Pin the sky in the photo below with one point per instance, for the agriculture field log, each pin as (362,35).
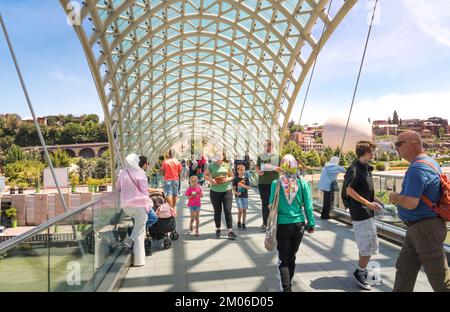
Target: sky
(406,68)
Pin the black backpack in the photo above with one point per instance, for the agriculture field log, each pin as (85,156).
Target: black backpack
(348,177)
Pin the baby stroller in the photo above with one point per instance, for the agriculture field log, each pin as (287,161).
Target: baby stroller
(164,229)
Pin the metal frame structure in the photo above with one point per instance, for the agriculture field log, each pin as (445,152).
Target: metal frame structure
(161,66)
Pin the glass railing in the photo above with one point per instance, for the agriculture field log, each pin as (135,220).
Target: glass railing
(71,253)
(384,183)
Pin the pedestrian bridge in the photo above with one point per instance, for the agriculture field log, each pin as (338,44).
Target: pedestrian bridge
(325,261)
(95,260)
(177,70)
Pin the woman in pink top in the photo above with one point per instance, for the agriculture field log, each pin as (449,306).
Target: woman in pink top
(194,193)
(171,169)
(135,201)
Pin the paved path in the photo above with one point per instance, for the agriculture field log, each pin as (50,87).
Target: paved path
(325,260)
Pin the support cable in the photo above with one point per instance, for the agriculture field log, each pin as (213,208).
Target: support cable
(359,77)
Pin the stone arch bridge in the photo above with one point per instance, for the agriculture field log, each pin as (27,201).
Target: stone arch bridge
(86,150)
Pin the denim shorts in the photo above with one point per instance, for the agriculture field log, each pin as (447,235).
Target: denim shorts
(242,203)
(194,208)
(171,188)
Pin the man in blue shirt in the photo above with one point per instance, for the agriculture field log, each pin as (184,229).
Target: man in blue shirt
(423,244)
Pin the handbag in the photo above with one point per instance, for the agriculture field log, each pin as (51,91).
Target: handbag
(334,186)
(270,241)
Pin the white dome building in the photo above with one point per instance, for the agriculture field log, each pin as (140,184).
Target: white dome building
(334,128)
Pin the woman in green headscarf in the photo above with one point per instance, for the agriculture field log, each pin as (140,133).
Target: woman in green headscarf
(293,194)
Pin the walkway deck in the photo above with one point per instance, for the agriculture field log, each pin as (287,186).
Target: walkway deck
(325,260)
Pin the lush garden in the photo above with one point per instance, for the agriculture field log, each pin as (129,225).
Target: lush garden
(59,130)
(24,169)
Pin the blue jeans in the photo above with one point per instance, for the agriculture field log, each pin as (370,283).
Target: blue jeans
(194,208)
(242,203)
(171,188)
(152,218)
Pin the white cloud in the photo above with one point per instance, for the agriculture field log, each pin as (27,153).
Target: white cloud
(432,17)
(408,106)
(63,77)
(415,105)
(403,36)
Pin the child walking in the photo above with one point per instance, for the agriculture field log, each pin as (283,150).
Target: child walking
(241,185)
(194,194)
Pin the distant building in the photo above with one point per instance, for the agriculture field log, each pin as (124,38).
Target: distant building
(306,141)
(411,122)
(380,123)
(297,137)
(41,120)
(314,127)
(385,130)
(426,133)
(310,146)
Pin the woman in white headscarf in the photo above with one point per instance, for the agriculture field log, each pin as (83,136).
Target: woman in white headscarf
(294,217)
(135,201)
(328,185)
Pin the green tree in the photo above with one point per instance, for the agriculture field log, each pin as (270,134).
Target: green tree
(91,118)
(69,119)
(6,141)
(14,154)
(54,135)
(312,159)
(350,157)
(395,119)
(24,134)
(292,148)
(83,168)
(11,124)
(60,159)
(440,133)
(23,170)
(102,135)
(295,128)
(72,133)
(33,155)
(100,168)
(52,121)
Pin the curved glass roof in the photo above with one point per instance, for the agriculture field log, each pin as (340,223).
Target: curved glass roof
(168,70)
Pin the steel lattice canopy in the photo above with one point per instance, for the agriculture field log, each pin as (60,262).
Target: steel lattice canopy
(172,69)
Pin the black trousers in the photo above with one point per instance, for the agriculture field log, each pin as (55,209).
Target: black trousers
(264,193)
(328,203)
(289,237)
(219,200)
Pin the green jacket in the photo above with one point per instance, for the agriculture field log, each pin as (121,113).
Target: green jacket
(288,214)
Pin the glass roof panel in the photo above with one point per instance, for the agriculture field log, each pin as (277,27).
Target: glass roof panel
(221,61)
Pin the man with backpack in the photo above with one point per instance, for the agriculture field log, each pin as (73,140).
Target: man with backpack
(426,233)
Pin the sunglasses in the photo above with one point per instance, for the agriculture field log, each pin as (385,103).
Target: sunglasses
(400,143)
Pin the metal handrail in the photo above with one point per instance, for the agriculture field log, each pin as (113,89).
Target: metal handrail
(13,242)
(379,224)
